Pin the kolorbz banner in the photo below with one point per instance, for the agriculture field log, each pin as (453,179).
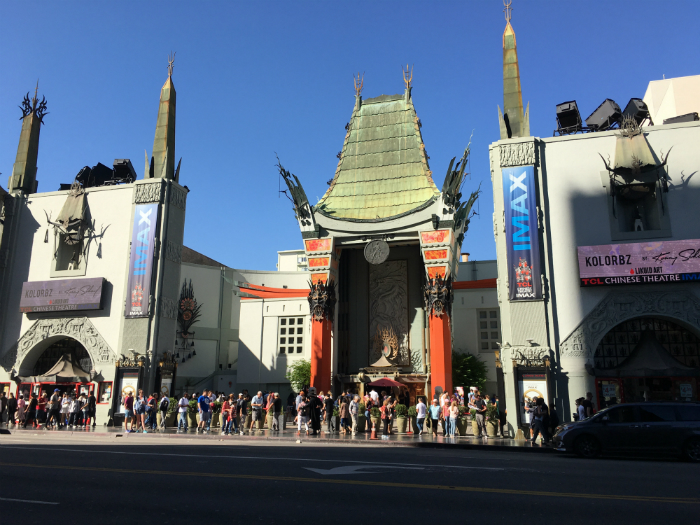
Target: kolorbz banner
(141,260)
(522,236)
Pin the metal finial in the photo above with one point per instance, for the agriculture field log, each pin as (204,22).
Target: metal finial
(171,61)
(508,9)
(359,82)
(36,91)
(406,78)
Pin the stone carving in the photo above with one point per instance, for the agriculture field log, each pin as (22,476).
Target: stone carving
(168,308)
(322,300)
(79,328)
(151,192)
(417,359)
(530,356)
(173,252)
(438,296)
(388,306)
(178,197)
(623,306)
(376,252)
(519,154)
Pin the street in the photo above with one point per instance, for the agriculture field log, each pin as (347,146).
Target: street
(55,479)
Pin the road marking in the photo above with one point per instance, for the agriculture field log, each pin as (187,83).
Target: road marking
(30,501)
(129,453)
(513,492)
(357,469)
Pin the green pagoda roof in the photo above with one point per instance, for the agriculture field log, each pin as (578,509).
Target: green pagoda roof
(383,170)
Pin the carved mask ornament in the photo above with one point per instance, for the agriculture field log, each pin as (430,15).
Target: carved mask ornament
(322,300)
(437,294)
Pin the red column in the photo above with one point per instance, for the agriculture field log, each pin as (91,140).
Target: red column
(321,355)
(440,353)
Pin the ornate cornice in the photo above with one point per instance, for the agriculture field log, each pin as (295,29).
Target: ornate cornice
(618,307)
(517,154)
(151,192)
(78,328)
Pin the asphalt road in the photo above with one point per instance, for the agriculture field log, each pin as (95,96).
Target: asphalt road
(49,479)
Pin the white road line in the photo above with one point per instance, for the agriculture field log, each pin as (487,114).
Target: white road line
(254,457)
(30,501)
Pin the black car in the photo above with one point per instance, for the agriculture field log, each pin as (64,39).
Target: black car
(635,428)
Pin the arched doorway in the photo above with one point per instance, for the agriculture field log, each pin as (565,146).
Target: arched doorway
(647,359)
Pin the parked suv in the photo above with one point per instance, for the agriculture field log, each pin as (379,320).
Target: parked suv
(637,428)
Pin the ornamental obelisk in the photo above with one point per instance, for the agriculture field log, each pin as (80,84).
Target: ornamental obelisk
(513,122)
(23,176)
(163,160)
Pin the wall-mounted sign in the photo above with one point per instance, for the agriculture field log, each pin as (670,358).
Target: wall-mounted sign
(530,387)
(65,294)
(138,287)
(640,263)
(522,235)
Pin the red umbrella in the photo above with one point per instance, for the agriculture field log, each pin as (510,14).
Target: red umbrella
(385,381)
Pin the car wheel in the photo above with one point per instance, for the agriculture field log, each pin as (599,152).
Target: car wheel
(587,447)
(691,450)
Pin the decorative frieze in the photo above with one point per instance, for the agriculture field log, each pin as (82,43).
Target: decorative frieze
(79,328)
(178,197)
(168,308)
(151,192)
(173,252)
(517,154)
(619,307)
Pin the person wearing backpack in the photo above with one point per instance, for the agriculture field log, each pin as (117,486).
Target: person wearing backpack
(140,412)
(151,422)
(541,421)
(163,407)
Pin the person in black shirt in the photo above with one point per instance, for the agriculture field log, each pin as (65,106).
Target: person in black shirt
(481,416)
(31,411)
(328,411)
(588,404)
(11,409)
(276,411)
(315,406)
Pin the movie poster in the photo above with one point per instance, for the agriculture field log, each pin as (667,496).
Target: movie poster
(141,260)
(522,235)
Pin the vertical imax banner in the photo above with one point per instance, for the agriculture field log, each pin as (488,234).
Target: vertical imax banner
(522,236)
(141,260)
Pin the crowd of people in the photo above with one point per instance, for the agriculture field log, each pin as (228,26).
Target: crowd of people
(67,409)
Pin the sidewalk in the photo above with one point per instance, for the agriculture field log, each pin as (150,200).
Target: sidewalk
(290,435)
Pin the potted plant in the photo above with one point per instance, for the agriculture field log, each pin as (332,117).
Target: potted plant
(463,420)
(171,414)
(361,419)
(215,413)
(192,413)
(491,420)
(375,417)
(263,418)
(412,413)
(475,427)
(401,412)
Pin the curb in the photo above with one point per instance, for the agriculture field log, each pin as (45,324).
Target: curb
(302,439)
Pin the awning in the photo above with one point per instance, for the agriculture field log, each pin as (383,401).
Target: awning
(386,382)
(66,370)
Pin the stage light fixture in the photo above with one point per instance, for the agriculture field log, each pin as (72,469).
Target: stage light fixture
(605,116)
(688,117)
(568,118)
(637,109)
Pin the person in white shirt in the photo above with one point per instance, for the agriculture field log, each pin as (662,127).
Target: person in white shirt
(420,414)
(375,397)
(182,407)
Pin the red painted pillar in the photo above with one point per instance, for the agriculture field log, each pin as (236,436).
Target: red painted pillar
(321,355)
(440,352)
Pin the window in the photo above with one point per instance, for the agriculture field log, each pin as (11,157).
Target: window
(489,330)
(104,393)
(689,413)
(290,339)
(621,415)
(657,413)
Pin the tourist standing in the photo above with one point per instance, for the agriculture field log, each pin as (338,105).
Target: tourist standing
(92,408)
(588,405)
(241,411)
(257,405)
(480,406)
(65,409)
(328,412)
(540,416)
(12,408)
(368,407)
(315,406)
(354,412)
(129,412)
(30,412)
(420,415)
(435,412)
(151,412)
(182,407)
(163,407)
(344,415)
(454,414)
(41,409)
(386,418)
(204,413)
(277,412)
(226,415)
(302,415)
(140,412)
(3,408)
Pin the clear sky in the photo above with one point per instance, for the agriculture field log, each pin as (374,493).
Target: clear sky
(255,78)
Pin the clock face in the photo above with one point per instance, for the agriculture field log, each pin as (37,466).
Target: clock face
(376,252)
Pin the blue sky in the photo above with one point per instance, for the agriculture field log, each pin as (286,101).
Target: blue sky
(255,78)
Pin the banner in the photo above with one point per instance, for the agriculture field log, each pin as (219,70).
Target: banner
(128,383)
(141,260)
(522,235)
(64,294)
(640,263)
(531,386)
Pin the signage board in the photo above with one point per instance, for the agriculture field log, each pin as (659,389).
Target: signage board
(609,390)
(129,383)
(686,390)
(59,295)
(639,263)
(138,288)
(531,386)
(522,234)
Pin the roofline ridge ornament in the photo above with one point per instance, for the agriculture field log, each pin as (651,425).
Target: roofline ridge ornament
(359,82)
(171,63)
(508,9)
(33,106)
(406,78)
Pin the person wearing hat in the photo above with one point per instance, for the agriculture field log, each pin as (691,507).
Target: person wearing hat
(53,417)
(315,406)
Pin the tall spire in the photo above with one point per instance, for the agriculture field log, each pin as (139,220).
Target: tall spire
(513,122)
(24,170)
(163,163)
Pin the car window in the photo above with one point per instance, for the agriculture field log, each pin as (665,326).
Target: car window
(621,415)
(689,413)
(657,413)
